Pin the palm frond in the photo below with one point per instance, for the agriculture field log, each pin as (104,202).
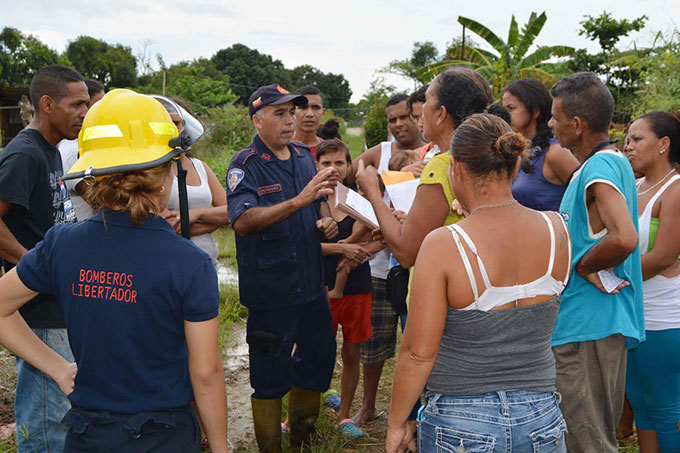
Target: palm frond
(545,52)
(529,33)
(513,34)
(483,32)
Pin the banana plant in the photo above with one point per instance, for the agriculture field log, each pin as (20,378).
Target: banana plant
(510,60)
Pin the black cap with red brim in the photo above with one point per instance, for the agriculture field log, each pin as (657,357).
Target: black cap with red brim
(273,95)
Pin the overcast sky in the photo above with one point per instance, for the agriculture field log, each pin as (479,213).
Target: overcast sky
(351,37)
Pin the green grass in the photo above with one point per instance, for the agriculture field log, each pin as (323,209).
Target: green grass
(355,143)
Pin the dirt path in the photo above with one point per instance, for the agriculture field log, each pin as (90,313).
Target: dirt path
(237,375)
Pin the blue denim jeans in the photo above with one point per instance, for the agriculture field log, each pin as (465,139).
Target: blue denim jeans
(39,403)
(505,421)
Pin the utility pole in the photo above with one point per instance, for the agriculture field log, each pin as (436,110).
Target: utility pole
(462,47)
(163,93)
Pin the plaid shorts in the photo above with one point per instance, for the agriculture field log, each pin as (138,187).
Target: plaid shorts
(384,320)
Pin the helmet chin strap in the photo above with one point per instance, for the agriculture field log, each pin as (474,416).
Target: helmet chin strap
(182,141)
(183,200)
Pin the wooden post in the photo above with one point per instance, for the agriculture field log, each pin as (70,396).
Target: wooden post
(462,47)
(163,93)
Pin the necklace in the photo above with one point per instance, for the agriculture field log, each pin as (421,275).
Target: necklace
(493,205)
(660,181)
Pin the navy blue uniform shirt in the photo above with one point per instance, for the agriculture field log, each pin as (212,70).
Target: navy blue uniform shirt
(282,265)
(125,291)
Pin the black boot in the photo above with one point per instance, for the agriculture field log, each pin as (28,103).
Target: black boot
(303,410)
(267,421)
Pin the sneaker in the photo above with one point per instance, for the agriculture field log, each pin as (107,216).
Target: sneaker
(331,399)
(349,429)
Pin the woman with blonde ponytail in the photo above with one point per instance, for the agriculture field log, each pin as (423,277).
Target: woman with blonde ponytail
(484,301)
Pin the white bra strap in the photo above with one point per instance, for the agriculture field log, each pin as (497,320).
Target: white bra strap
(551,262)
(466,263)
(482,268)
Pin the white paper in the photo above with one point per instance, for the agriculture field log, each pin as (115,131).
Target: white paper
(609,280)
(402,194)
(361,205)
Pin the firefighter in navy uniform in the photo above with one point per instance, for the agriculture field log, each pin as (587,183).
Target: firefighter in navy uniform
(273,194)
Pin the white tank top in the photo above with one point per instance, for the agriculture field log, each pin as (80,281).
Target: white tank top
(380,262)
(494,296)
(198,197)
(661,294)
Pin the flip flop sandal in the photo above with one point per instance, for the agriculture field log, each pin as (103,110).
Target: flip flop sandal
(349,429)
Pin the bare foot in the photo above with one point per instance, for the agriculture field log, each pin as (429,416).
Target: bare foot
(335,294)
(366,415)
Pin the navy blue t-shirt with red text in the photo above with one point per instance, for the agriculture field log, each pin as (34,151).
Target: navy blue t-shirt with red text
(126,292)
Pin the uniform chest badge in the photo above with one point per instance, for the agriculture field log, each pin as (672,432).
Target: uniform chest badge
(234,178)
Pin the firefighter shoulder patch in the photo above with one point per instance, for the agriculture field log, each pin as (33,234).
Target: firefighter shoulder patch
(234,178)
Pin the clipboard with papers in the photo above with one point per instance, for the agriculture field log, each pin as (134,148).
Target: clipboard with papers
(355,206)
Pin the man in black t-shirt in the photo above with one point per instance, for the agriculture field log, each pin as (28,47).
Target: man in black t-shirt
(32,199)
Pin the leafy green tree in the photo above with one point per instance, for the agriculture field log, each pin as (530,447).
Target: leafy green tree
(423,54)
(659,71)
(510,61)
(372,107)
(248,69)
(607,30)
(22,56)
(335,87)
(197,82)
(113,65)
(621,77)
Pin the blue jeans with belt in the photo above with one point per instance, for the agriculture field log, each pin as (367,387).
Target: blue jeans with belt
(504,421)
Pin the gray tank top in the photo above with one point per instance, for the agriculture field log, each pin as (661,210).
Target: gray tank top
(488,351)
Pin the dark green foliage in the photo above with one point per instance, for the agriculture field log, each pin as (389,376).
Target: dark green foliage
(197,82)
(622,78)
(248,69)
(112,64)
(372,107)
(335,87)
(607,30)
(22,56)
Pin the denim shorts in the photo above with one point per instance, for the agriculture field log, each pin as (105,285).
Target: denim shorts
(504,421)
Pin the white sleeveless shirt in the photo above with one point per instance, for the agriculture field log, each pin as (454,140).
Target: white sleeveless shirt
(380,262)
(661,294)
(198,197)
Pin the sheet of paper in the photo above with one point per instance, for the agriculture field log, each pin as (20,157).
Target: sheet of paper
(402,194)
(361,205)
(609,280)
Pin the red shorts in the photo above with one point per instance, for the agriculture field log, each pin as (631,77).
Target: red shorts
(353,313)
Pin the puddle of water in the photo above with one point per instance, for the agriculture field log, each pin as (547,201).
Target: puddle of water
(227,275)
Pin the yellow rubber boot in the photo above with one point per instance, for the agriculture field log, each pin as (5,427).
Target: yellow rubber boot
(303,410)
(267,421)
